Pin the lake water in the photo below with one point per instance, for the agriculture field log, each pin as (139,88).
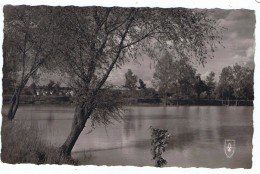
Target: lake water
(199,134)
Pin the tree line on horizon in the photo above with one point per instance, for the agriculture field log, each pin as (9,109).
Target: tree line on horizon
(178,79)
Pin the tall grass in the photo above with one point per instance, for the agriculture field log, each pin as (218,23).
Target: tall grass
(21,144)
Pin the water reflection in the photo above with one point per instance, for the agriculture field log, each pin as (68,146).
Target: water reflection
(198,135)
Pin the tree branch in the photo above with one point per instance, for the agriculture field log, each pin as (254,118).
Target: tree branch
(117,56)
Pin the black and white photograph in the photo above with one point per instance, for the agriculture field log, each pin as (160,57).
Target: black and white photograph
(128,86)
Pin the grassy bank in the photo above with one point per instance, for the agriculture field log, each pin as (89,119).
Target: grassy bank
(21,144)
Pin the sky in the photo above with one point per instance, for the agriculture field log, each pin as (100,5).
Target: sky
(238,41)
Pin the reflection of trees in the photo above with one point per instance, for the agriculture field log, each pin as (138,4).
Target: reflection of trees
(209,134)
(182,140)
(236,123)
(184,135)
(190,126)
(128,125)
(50,117)
(242,134)
(132,123)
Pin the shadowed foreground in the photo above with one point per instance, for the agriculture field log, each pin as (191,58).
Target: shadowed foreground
(20,144)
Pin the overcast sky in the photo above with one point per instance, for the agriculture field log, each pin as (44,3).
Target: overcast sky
(238,39)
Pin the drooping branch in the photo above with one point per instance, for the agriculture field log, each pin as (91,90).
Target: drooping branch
(24,53)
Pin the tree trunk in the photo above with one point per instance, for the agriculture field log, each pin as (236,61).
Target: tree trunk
(78,124)
(14,105)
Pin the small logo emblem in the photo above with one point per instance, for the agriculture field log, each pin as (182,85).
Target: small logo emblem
(229,147)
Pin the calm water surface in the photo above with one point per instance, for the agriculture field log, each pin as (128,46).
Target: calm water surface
(199,133)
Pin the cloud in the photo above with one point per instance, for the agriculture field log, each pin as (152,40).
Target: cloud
(240,21)
(241,14)
(248,55)
(204,75)
(237,57)
(247,59)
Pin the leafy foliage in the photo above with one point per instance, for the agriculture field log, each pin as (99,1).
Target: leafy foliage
(27,46)
(236,81)
(130,80)
(211,84)
(28,39)
(109,106)
(159,142)
(174,76)
(142,85)
(200,86)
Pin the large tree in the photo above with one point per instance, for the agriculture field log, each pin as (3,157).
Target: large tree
(243,82)
(225,85)
(248,84)
(236,81)
(174,75)
(142,85)
(200,86)
(164,78)
(239,75)
(211,84)
(95,40)
(27,47)
(130,80)
(186,74)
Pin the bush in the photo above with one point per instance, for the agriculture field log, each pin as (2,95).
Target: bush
(159,142)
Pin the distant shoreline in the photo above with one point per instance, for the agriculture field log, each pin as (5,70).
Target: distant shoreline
(67,100)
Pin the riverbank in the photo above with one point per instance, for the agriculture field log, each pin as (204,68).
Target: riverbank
(21,143)
(67,100)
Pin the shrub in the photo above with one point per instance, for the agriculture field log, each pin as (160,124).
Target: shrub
(159,142)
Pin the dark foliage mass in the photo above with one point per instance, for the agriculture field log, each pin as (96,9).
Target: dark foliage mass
(179,79)
(130,80)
